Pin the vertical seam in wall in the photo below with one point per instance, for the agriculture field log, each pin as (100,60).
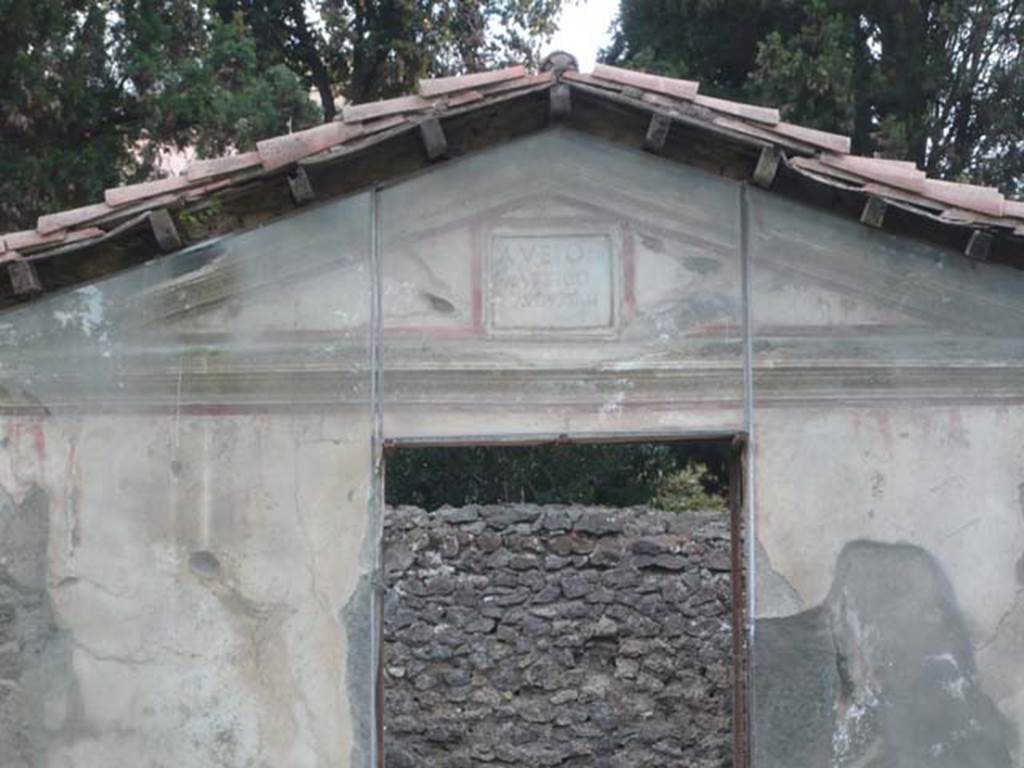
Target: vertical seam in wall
(374,526)
(748,417)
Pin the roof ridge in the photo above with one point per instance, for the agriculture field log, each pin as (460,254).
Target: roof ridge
(357,123)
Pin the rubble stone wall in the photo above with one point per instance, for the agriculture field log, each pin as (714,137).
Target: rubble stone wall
(554,635)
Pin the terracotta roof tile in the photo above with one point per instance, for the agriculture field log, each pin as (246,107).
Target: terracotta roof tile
(894,172)
(521,82)
(669,86)
(1014,208)
(663,101)
(757,130)
(582,77)
(28,239)
(821,155)
(123,195)
(203,190)
(987,200)
(376,126)
(219,166)
(52,222)
(768,115)
(285,150)
(892,193)
(355,113)
(439,86)
(831,141)
(463,97)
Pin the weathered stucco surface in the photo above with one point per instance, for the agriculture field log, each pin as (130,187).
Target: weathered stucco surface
(186,565)
(929,526)
(882,673)
(176,586)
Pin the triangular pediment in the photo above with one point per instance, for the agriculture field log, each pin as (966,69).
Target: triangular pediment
(666,260)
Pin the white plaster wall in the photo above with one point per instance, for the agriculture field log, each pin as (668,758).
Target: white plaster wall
(244,664)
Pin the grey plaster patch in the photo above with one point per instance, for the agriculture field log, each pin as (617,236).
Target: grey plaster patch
(356,617)
(35,656)
(775,596)
(899,687)
(796,682)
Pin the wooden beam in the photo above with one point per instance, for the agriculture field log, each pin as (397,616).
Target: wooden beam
(979,245)
(767,167)
(164,231)
(434,141)
(657,133)
(24,278)
(561,102)
(300,186)
(874,212)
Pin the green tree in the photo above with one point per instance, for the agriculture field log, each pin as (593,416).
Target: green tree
(368,49)
(91,91)
(939,82)
(676,477)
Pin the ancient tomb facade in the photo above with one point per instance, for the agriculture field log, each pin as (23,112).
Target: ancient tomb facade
(191,508)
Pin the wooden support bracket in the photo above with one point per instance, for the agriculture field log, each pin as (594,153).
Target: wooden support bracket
(300,186)
(164,231)
(979,245)
(657,133)
(24,278)
(434,141)
(767,167)
(874,212)
(561,101)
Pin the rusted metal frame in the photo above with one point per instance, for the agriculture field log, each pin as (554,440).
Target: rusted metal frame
(737,442)
(739,587)
(742,507)
(562,438)
(375,509)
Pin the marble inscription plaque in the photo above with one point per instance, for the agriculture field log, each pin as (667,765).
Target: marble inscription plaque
(551,282)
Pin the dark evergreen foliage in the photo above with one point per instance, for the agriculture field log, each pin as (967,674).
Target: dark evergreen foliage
(676,476)
(94,93)
(938,82)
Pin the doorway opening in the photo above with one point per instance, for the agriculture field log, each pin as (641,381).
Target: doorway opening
(563,604)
